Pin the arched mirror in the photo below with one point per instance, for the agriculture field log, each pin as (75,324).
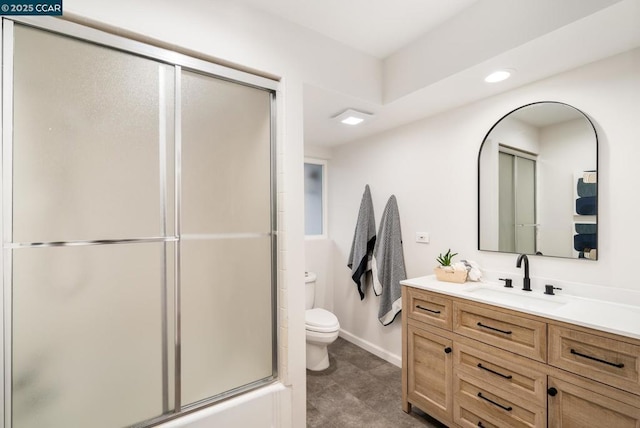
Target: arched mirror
(538,183)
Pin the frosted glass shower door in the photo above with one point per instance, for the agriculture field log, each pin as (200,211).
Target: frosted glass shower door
(89,234)
(138,229)
(226,239)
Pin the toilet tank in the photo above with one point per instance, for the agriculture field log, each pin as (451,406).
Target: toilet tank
(309,289)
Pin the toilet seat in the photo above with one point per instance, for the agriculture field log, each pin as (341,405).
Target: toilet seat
(321,321)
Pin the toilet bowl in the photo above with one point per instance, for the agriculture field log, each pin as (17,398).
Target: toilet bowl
(321,328)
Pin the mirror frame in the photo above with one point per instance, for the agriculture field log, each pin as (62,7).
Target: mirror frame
(595,133)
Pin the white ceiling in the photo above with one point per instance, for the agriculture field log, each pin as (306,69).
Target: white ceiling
(457,42)
(376,27)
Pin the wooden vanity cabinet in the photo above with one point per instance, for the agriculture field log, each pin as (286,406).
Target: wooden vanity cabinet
(469,364)
(456,372)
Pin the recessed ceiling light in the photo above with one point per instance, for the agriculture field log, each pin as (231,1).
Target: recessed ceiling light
(498,76)
(352,117)
(352,120)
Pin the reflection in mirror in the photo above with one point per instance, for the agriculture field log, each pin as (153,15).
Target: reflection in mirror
(537,183)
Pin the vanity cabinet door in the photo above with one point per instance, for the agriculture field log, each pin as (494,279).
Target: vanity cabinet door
(429,371)
(571,406)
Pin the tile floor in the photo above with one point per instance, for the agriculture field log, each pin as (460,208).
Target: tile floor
(359,390)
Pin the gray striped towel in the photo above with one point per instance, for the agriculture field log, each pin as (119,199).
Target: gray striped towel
(388,264)
(364,240)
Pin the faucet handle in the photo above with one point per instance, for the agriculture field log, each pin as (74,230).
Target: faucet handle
(548,289)
(507,282)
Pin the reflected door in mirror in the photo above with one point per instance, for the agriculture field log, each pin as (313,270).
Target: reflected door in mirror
(517,203)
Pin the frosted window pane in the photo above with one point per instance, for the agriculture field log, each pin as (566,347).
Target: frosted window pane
(86,140)
(313,199)
(226,315)
(87,338)
(225,156)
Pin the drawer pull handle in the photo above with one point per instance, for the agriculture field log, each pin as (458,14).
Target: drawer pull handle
(493,328)
(552,391)
(427,309)
(618,365)
(480,424)
(480,366)
(447,350)
(508,409)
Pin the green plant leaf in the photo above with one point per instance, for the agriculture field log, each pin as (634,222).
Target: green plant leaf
(446,259)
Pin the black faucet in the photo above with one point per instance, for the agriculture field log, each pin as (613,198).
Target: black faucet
(526,282)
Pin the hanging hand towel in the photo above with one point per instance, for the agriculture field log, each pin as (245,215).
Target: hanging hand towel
(364,240)
(388,264)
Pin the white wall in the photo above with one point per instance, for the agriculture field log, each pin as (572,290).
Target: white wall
(319,259)
(431,167)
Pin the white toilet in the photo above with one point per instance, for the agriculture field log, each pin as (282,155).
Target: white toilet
(321,327)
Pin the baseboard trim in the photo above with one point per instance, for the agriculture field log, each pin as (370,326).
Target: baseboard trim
(374,349)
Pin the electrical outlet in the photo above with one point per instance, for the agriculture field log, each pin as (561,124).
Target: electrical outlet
(422,237)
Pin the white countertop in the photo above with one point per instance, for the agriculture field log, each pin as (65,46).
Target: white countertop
(612,317)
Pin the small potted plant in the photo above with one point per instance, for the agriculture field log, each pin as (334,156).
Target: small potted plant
(449,272)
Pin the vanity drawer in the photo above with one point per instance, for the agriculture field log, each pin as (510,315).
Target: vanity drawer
(514,333)
(478,403)
(514,374)
(467,418)
(607,360)
(428,308)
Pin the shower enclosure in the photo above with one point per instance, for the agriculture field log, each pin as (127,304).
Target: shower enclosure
(138,229)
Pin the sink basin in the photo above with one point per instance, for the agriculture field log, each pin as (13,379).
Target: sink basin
(514,297)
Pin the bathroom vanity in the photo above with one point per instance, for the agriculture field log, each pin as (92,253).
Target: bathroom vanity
(479,355)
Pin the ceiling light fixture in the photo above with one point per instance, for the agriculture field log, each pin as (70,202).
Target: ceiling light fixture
(352,117)
(498,76)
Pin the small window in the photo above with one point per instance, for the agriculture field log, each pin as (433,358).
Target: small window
(314,197)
